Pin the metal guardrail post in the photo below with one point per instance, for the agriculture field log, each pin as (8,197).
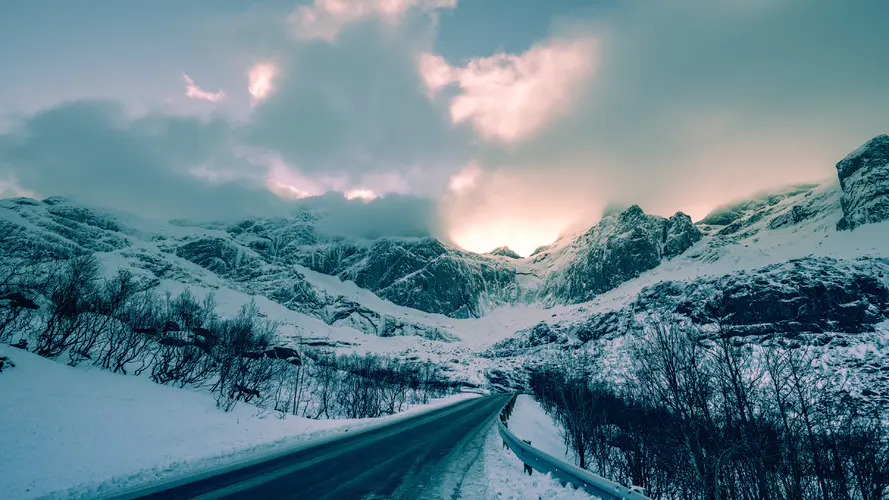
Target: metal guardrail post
(566,473)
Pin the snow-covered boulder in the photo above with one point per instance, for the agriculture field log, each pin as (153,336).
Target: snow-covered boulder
(864,178)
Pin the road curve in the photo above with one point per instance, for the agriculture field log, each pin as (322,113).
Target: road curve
(427,456)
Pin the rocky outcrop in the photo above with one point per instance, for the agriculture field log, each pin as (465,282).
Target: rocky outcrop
(817,300)
(792,217)
(811,295)
(681,235)
(214,254)
(427,275)
(805,295)
(615,250)
(864,178)
(423,274)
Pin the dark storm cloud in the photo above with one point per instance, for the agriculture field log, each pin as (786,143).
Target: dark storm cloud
(357,106)
(392,215)
(92,151)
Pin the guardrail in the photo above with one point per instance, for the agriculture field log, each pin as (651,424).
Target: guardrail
(561,470)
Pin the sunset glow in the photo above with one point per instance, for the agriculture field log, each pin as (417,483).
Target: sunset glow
(519,235)
(362,194)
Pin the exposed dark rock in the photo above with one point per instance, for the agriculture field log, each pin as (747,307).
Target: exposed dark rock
(214,254)
(804,295)
(543,333)
(425,274)
(85,216)
(505,252)
(740,224)
(316,342)
(792,217)
(25,201)
(816,301)
(617,249)
(540,336)
(864,178)
(609,324)
(18,299)
(282,353)
(681,235)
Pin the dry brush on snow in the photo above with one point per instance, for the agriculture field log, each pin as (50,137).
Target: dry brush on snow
(71,311)
(704,416)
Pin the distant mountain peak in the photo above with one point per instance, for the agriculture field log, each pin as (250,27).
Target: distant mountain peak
(505,251)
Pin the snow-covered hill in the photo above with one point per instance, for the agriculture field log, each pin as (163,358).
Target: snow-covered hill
(807,261)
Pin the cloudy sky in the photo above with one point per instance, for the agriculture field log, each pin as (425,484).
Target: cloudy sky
(484,122)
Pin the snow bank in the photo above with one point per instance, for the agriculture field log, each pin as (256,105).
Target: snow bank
(530,422)
(505,477)
(91,432)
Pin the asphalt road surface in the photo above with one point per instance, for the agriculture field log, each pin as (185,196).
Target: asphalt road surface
(423,457)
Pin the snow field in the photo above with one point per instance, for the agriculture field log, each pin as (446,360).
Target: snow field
(81,432)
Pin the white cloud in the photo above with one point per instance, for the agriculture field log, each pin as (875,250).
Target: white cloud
(261,78)
(324,19)
(10,188)
(285,190)
(192,90)
(508,97)
(363,194)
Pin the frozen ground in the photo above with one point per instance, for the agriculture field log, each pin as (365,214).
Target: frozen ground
(79,432)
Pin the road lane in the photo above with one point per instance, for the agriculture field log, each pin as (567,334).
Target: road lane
(426,456)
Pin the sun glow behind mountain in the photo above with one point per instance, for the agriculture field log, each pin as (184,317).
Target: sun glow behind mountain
(485,236)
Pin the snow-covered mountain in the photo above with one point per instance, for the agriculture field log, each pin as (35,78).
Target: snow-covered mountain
(808,262)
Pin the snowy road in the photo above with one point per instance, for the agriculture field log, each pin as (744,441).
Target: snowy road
(428,456)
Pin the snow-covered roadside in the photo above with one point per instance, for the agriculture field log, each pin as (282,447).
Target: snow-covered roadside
(530,422)
(81,432)
(504,478)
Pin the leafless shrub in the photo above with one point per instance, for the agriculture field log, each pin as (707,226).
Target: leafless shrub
(19,287)
(705,416)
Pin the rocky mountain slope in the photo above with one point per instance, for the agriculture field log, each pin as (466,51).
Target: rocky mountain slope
(191,255)
(865,181)
(615,250)
(806,262)
(771,269)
